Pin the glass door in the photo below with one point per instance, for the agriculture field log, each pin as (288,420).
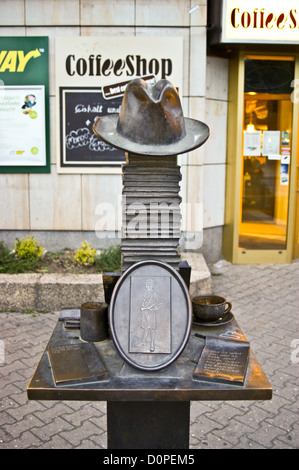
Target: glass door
(266,153)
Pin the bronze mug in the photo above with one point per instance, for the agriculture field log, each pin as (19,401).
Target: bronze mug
(94,321)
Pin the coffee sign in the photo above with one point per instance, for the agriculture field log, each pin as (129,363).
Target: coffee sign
(128,66)
(266,21)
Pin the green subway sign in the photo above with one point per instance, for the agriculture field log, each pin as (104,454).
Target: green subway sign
(24,105)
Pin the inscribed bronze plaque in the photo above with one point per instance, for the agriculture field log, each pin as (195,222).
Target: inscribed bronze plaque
(150,315)
(223,360)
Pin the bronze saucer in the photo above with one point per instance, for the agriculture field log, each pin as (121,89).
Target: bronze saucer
(222,321)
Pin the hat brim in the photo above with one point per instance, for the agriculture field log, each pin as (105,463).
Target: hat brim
(197,132)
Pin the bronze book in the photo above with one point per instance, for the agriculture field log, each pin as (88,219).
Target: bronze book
(223,360)
(76,363)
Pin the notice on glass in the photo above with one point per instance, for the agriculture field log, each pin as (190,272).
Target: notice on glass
(284,174)
(22,126)
(271,145)
(252,143)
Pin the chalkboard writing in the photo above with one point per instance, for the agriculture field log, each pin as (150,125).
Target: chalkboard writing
(79,107)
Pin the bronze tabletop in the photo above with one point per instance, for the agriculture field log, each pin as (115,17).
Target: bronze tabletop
(123,383)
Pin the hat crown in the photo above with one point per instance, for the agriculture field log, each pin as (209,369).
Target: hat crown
(151,115)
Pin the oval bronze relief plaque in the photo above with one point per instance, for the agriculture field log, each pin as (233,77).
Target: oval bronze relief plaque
(150,315)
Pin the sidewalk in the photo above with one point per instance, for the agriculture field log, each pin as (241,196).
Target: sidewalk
(265,301)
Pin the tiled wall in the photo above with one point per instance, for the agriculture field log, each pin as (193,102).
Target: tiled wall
(67,202)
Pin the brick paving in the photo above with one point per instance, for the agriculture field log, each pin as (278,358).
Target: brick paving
(265,302)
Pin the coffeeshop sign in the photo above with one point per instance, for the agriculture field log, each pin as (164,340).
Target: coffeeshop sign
(91,76)
(266,21)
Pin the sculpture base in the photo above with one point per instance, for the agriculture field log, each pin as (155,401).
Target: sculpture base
(148,425)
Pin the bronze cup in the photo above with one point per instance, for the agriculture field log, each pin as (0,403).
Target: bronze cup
(210,308)
(94,321)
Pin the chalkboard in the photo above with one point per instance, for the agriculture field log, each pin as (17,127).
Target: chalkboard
(80,147)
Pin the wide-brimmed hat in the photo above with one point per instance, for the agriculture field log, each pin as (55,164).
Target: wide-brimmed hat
(151,122)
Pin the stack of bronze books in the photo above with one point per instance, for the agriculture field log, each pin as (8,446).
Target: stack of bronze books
(151,210)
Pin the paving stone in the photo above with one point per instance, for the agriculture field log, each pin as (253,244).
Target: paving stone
(17,429)
(223,413)
(253,417)
(232,431)
(27,440)
(266,435)
(100,441)
(90,444)
(284,420)
(56,442)
(85,430)
(56,426)
(77,417)
(47,414)
(246,443)
(291,439)
(211,441)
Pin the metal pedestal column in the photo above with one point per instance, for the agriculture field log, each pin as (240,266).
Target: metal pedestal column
(148,425)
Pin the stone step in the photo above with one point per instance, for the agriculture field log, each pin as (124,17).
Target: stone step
(48,292)
(53,292)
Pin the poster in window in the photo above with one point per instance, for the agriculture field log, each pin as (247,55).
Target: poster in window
(284,174)
(252,143)
(22,124)
(271,144)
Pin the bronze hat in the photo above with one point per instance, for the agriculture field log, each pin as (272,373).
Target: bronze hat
(151,122)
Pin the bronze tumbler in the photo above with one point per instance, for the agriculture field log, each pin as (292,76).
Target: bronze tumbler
(94,321)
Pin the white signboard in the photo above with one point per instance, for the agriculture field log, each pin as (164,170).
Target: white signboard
(22,126)
(266,21)
(91,77)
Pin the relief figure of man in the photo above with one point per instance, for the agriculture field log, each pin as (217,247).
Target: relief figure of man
(150,304)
